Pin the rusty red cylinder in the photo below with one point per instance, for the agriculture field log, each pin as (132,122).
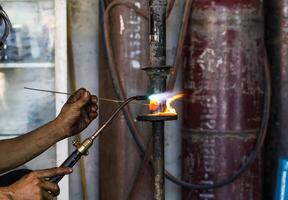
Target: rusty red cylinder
(222,112)
(119,155)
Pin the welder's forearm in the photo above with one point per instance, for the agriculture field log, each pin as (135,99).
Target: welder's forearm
(17,151)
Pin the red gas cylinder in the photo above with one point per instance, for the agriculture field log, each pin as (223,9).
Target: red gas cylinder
(222,112)
(119,155)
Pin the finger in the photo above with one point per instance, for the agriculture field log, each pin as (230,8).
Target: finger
(46,195)
(89,114)
(93,108)
(87,119)
(85,98)
(94,99)
(85,113)
(46,173)
(93,115)
(52,187)
(76,95)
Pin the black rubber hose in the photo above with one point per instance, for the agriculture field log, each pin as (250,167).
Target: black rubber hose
(4,21)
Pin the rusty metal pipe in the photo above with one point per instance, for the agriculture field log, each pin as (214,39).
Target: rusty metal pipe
(158,151)
(157,73)
(158,33)
(158,156)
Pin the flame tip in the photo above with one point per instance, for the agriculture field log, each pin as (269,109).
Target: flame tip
(157,99)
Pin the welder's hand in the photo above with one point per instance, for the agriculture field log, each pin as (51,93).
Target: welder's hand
(77,113)
(36,185)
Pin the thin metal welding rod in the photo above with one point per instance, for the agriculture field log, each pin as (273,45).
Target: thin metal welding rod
(56,92)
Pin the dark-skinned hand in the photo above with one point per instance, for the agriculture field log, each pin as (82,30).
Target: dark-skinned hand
(36,185)
(77,113)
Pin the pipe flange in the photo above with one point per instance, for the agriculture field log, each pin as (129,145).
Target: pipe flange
(157,117)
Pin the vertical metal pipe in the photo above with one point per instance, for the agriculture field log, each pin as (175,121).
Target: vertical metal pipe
(158,33)
(158,155)
(158,72)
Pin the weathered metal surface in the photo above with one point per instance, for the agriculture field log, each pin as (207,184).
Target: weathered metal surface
(119,155)
(158,157)
(157,118)
(276,16)
(157,33)
(222,112)
(157,72)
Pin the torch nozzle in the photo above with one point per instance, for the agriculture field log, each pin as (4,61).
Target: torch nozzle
(141,97)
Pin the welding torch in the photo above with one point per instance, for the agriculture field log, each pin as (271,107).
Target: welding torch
(82,149)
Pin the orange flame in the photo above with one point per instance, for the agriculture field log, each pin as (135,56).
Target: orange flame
(154,104)
(169,110)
